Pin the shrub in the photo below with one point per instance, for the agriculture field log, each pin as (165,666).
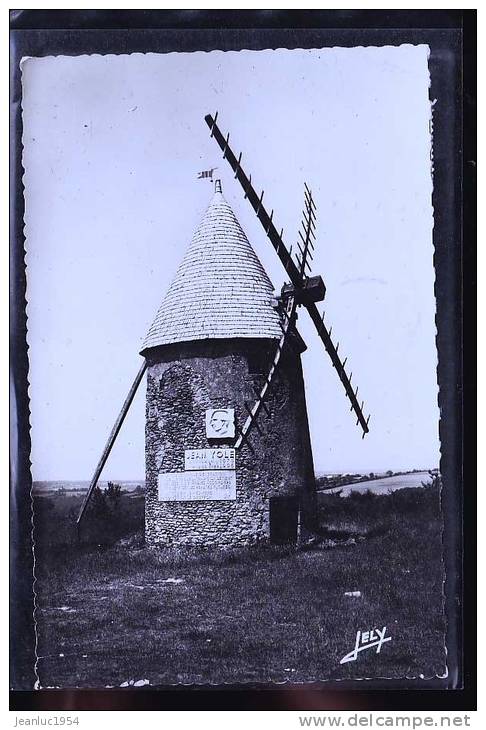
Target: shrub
(113,494)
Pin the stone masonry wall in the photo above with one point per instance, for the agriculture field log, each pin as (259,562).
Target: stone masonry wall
(185,380)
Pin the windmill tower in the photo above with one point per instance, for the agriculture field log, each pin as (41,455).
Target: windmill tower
(228,453)
(208,353)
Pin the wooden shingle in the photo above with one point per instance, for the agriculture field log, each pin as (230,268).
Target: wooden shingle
(220,290)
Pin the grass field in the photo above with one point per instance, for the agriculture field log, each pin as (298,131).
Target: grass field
(109,615)
(387,484)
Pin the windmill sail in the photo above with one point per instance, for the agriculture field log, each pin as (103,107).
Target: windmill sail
(339,366)
(253,414)
(288,319)
(256,202)
(306,245)
(296,275)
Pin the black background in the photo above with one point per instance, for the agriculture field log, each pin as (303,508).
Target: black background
(451,36)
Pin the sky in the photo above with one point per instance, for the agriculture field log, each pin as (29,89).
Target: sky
(112,148)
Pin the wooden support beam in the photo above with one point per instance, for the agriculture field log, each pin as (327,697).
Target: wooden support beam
(111,439)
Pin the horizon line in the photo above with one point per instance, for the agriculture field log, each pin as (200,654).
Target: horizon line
(320,471)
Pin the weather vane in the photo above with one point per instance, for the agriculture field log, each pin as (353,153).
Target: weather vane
(206,174)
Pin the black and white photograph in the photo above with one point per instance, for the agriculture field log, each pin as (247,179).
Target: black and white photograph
(233,381)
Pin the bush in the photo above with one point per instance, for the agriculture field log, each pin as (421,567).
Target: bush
(377,513)
(113,494)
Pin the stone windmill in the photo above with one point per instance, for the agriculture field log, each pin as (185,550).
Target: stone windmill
(228,452)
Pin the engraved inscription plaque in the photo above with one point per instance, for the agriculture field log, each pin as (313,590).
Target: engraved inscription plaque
(209,459)
(188,486)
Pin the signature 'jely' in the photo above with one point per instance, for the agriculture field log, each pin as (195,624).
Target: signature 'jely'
(366,640)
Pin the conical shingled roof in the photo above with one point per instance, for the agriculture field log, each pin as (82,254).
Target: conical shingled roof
(220,290)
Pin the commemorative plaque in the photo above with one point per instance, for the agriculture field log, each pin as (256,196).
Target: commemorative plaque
(188,486)
(198,459)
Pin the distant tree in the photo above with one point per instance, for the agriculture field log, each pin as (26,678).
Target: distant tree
(113,498)
(371,475)
(113,493)
(138,489)
(99,504)
(105,506)
(389,473)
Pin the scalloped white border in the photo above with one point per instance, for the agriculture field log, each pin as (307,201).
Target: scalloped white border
(271,683)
